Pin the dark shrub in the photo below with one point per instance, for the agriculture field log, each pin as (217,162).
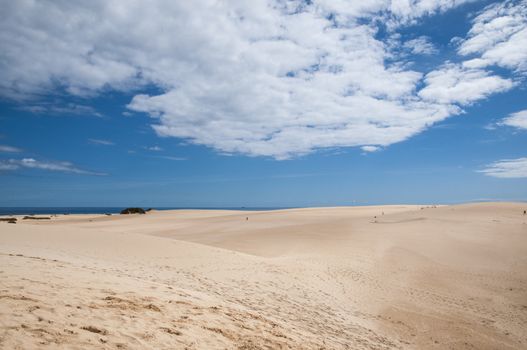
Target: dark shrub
(9,220)
(133,211)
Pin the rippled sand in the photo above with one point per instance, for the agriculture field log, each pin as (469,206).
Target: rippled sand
(385,277)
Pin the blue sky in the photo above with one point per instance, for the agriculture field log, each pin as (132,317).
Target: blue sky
(275,103)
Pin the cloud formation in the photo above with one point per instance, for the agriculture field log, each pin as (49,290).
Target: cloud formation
(421,46)
(172,158)
(507,168)
(9,149)
(370,148)
(30,163)
(516,120)
(261,78)
(154,148)
(101,142)
(499,37)
(55,108)
(454,83)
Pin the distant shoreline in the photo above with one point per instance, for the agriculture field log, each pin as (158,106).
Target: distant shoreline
(113,210)
(7,211)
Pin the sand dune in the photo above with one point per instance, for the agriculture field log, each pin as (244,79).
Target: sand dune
(384,277)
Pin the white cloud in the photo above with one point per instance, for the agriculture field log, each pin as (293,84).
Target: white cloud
(507,168)
(172,158)
(5,166)
(30,163)
(9,149)
(409,11)
(61,109)
(101,142)
(370,148)
(154,148)
(261,77)
(421,46)
(517,120)
(499,36)
(454,83)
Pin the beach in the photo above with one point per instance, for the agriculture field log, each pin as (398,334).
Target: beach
(371,277)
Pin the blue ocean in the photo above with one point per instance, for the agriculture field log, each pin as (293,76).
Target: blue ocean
(106,210)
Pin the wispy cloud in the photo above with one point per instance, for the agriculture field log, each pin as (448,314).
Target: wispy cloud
(171,158)
(154,148)
(30,163)
(507,168)
(9,149)
(421,46)
(516,120)
(101,142)
(5,166)
(61,109)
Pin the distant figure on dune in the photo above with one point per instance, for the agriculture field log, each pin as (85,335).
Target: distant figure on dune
(247,218)
(524,212)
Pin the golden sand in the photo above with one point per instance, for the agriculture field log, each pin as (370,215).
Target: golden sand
(384,277)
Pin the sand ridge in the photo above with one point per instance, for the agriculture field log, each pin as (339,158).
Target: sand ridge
(382,277)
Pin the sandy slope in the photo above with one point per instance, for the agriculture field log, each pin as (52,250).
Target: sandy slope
(452,277)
